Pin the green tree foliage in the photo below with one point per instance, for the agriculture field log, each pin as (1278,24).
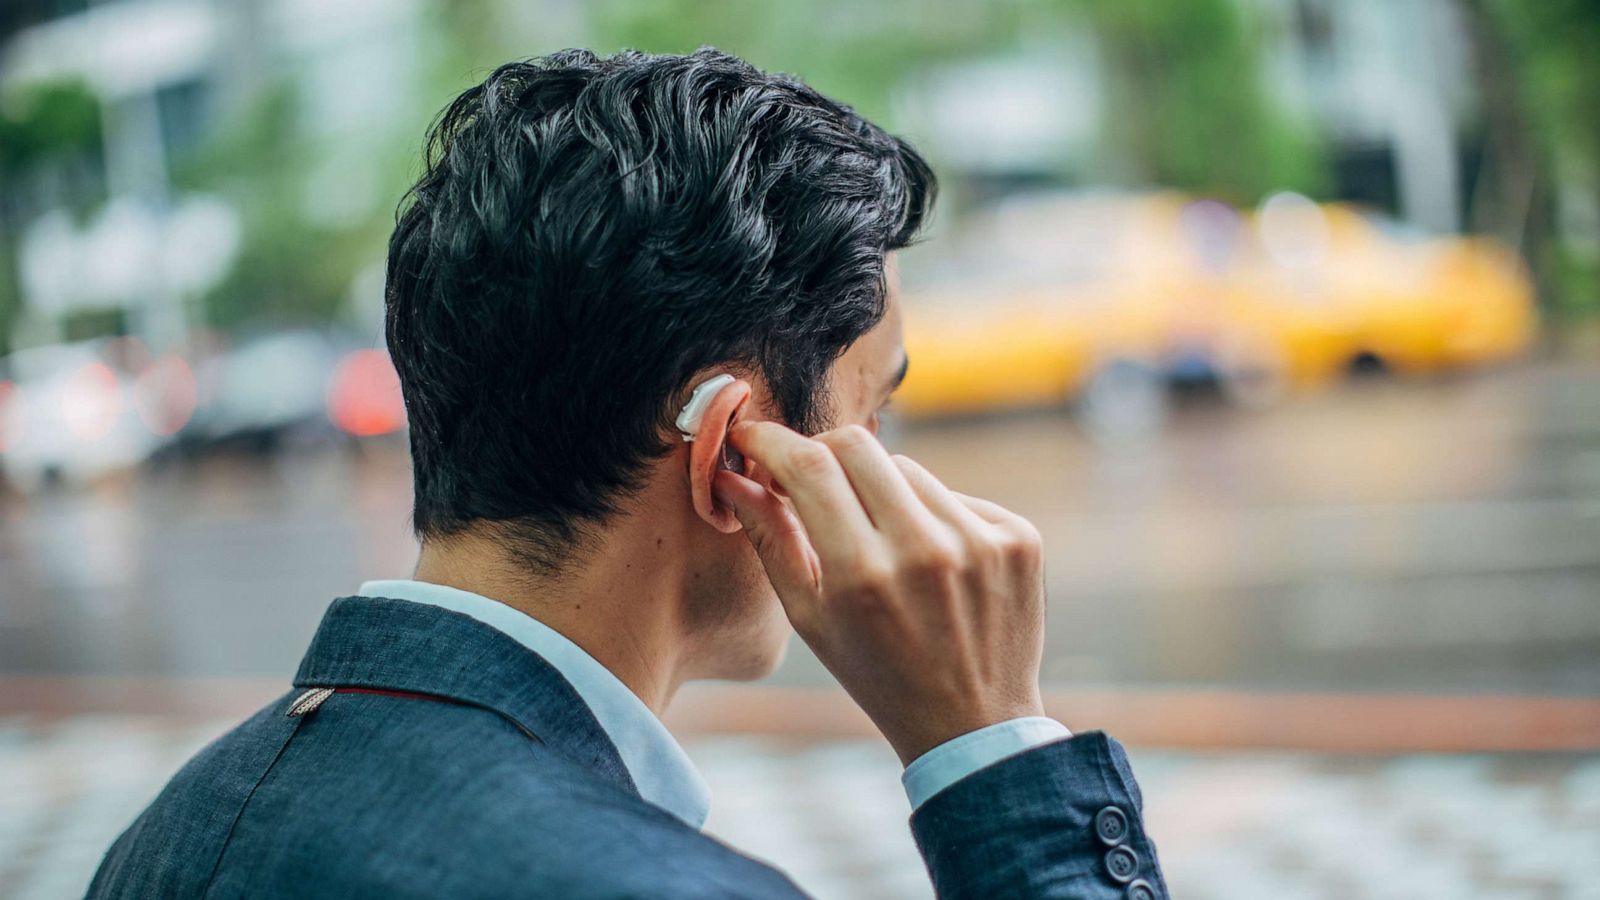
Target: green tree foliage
(858,52)
(1557,49)
(1188,107)
(43,122)
(1188,104)
(1554,47)
(48,133)
(288,268)
(292,266)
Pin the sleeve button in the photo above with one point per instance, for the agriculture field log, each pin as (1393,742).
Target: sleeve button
(1140,890)
(1122,864)
(1111,826)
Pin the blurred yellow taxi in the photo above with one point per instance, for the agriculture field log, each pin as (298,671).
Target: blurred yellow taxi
(1107,299)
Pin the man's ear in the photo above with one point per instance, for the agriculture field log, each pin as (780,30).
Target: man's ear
(705,454)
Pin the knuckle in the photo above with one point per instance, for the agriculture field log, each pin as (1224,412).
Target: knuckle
(1023,542)
(872,580)
(1028,533)
(987,548)
(812,460)
(849,437)
(937,557)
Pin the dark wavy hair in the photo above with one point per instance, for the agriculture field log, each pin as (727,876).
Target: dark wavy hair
(592,231)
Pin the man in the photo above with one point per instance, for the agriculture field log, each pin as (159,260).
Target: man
(591,240)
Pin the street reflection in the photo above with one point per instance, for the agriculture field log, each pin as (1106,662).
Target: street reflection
(1438,536)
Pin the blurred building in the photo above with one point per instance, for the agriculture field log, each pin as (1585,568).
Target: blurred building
(1390,84)
(165,76)
(1385,85)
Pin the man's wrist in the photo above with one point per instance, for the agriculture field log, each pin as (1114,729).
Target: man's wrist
(966,754)
(913,739)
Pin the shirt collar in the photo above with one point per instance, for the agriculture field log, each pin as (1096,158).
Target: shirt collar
(660,769)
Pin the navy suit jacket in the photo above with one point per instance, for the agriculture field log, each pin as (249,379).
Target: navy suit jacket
(507,787)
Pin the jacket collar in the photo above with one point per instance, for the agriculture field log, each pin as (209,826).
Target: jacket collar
(397,645)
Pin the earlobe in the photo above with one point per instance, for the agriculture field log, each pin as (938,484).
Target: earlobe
(706,452)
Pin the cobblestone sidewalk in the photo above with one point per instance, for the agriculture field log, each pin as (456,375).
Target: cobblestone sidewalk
(1228,825)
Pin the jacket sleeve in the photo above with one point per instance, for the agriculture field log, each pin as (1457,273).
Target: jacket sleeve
(1061,820)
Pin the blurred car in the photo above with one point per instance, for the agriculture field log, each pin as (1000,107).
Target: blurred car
(267,390)
(1108,299)
(293,386)
(70,413)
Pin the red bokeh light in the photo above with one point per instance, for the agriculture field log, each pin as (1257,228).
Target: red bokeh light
(11,415)
(166,393)
(364,398)
(92,401)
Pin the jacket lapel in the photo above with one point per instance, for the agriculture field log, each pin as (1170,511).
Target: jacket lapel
(396,645)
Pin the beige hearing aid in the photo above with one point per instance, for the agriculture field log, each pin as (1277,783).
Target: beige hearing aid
(689,419)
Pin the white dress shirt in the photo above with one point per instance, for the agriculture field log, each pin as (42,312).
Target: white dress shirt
(660,769)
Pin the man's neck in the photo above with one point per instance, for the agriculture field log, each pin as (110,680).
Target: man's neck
(622,602)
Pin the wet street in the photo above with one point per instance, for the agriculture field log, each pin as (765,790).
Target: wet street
(1436,537)
(1386,537)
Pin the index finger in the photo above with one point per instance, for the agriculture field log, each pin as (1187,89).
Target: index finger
(816,484)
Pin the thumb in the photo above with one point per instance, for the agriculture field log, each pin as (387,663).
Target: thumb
(776,534)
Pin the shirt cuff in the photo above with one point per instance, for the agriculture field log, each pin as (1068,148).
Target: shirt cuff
(961,756)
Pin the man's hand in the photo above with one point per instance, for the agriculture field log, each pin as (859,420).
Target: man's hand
(926,604)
